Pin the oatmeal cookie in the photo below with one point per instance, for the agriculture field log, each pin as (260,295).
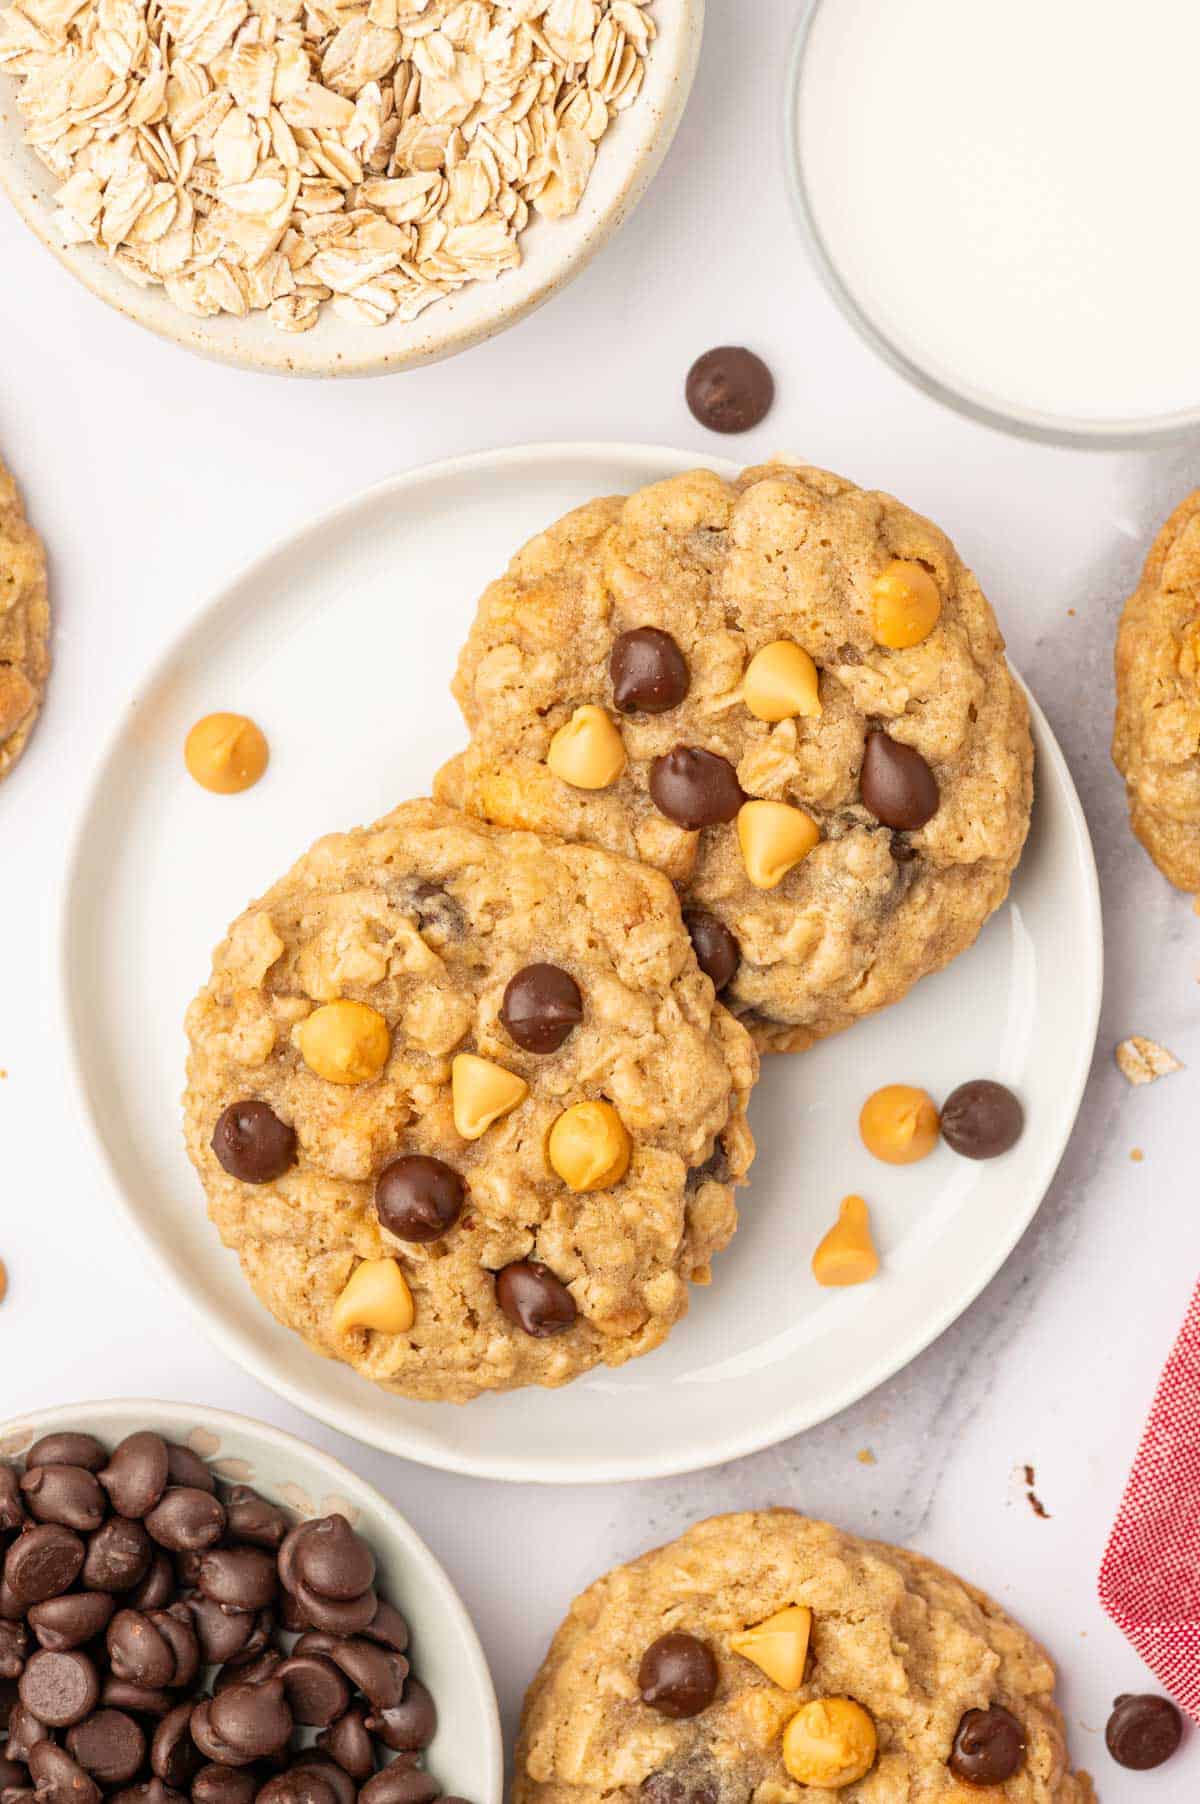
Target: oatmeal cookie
(24,625)
(769,1658)
(464,1105)
(1156,742)
(789,695)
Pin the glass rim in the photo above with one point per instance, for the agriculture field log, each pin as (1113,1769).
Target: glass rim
(1064,431)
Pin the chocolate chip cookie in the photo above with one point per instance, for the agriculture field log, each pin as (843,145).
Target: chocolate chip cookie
(786,693)
(763,1657)
(24,625)
(465,1106)
(1156,742)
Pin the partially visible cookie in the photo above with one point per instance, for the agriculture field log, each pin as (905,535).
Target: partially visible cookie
(465,1107)
(767,1659)
(786,692)
(1156,741)
(24,625)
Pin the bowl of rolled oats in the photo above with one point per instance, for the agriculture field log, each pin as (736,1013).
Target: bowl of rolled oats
(335,187)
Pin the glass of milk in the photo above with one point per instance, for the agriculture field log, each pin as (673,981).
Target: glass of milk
(1003,201)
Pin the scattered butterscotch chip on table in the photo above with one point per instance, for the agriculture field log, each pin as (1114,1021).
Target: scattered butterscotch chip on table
(24,625)
(1141,1061)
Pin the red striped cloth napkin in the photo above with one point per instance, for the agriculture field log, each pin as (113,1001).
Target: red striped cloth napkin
(1150,1578)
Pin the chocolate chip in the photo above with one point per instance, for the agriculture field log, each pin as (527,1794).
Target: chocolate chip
(388,1626)
(252,1143)
(24,1732)
(221,1636)
(65,1622)
(67,1449)
(695,788)
(143,1700)
(69,1495)
(715,1169)
(649,672)
(348,1741)
(409,1725)
(252,1719)
(14,1649)
(1143,1731)
(175,1627)
(311,1760)
(186,1520)
(249,1672)
(989,1746)
(43,1562)
(174,1756)
(327,1557)
(678,1675)
(982,1119)
(12,1507)
(110,1745)
(300,1785)
(400,1783)
(542,1007)
(157,1588)
(210,1743)
(136,1475)
(316,1691)
(223,1785)
(717,952)
(340,1617)
(187,1468)
(418,1198)
(59,1779)
(59,1688)
(729,389)
(896,784)
(239,1578)
(137,1651)
(118,1556)
(531,1296)
(439,917)
(375,1671)
(13,1774)
(251,1518)
(152,1791)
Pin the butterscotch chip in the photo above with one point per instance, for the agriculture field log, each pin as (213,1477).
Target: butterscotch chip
(365,1033)
(847,1253)
(24,625)
(770,592)
(901,1651)
(226,753)
(1156,736)
(1141,1060)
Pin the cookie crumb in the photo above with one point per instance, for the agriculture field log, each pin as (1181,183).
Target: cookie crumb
(865,1457)
(1137,1155)
(1034,1501)
(1071,612)
(3,1280)
(1141,1060)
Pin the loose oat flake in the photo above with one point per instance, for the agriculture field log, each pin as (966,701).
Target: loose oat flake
(273,155)
(1141,1061)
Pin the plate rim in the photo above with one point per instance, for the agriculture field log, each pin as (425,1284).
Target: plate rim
(654,461)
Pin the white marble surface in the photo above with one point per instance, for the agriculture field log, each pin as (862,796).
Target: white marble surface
(153,476)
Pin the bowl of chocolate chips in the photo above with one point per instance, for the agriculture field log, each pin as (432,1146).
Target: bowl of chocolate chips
(198,1609)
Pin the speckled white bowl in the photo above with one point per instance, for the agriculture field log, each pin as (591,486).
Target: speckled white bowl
(466,1755)
(553,250)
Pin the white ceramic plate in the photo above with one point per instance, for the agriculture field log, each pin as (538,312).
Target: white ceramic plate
(341,643)
(553,251)
(465,1756)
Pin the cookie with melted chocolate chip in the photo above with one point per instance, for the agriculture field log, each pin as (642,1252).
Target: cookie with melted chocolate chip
(915,766)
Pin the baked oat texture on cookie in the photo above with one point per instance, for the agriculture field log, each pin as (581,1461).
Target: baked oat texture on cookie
(785,554)
(909,1643)
(24,625)
(1156,742)
(425,918)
